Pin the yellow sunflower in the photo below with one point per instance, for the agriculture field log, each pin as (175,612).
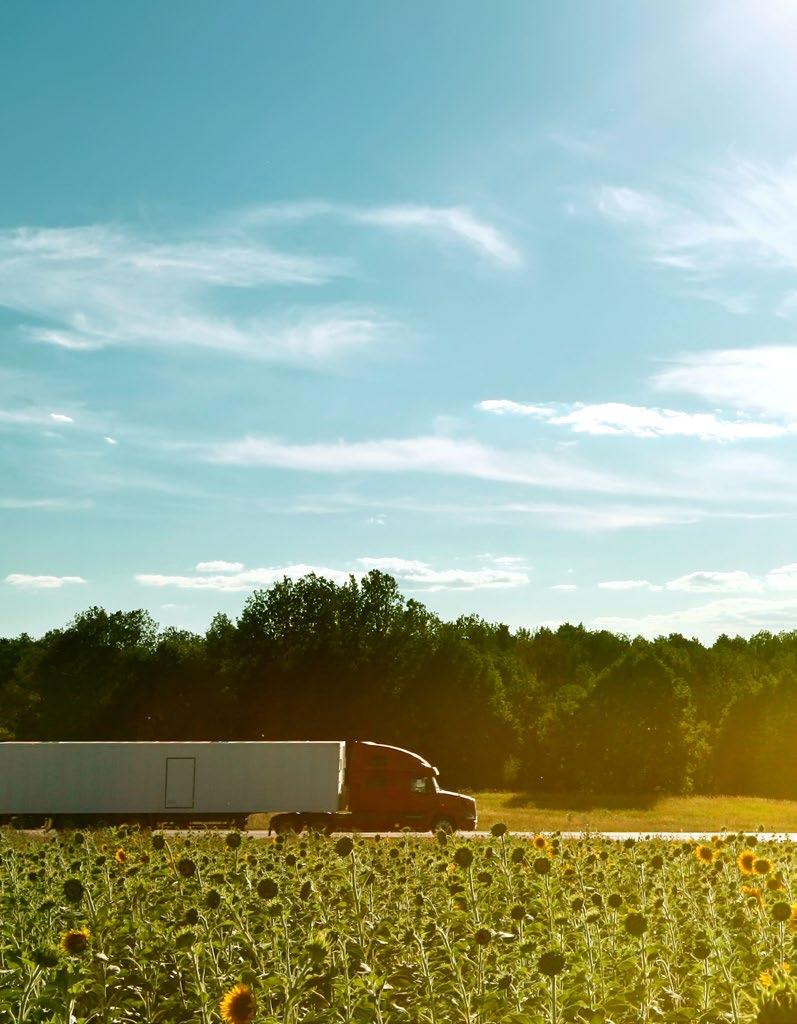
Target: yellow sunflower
(704,854)
(762,866)
(746,862)
(75,942)
(540,842)
(753,894)
(238,1006)
(120,856)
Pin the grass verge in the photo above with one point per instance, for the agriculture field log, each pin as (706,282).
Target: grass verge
(526,812)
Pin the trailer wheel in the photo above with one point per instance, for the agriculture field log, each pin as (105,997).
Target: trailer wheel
(444,825)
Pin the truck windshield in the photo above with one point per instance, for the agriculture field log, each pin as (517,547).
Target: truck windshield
(423,785)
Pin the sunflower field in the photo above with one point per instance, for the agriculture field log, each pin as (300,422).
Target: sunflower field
(124,926)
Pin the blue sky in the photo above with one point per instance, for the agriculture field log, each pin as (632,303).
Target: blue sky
(500,298)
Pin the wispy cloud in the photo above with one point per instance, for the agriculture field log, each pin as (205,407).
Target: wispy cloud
(86,288)
(425,454)
(456,222)
(619,418)
(758,380)
(445,223)
(57,504)
(21,579)
(702,581)
(588,516)
(740,216)
(219,566)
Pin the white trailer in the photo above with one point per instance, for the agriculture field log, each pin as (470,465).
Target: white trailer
(169,780)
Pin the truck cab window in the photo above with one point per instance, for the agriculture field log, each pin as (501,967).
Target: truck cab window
(420,785)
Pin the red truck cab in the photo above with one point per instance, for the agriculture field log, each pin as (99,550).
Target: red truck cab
(386,789)
(385,782)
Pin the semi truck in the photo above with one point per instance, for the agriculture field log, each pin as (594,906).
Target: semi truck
(332,786)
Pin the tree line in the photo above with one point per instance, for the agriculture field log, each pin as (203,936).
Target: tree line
(569,709)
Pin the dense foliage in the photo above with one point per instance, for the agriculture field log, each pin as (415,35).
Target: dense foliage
(545,710)
(132,927)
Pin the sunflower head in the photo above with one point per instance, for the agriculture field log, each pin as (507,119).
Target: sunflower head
(762,866)
(186,867)
(238,1006)
(746,862)
(73,890)
(753,894)
(540,842)
(120,856)
(705,854)
(75,942)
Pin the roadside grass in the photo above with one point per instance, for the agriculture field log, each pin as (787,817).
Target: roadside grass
(538,812)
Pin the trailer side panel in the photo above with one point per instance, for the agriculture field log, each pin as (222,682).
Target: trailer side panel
(152,778)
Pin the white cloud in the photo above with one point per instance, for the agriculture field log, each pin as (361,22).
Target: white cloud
(783,578)
(59,417)
(429,454)
(420,575)
(96,286)
(758,380)
(246,579)
(626,585)
(444,222)
(19,579)
(430,579)
(564,586)
(505,406)
(110,440)
(705,582)
(219,566)
(733,615)
(392,564)
(619,418)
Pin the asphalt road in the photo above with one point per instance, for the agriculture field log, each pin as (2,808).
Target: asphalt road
(780,837)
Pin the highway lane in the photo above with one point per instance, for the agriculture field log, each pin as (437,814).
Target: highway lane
(676,837)
(681,837)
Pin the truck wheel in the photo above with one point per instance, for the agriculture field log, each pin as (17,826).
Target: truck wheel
(443,825)
(287,824)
